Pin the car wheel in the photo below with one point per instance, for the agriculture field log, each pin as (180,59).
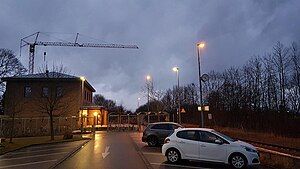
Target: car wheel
(238,161)
(152,141)
(173,156)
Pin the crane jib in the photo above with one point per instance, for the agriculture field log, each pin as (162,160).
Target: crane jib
(85,45)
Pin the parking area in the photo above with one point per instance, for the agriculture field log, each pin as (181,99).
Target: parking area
(157,160)
(39,156)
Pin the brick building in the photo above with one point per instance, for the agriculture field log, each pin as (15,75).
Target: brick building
(31,95)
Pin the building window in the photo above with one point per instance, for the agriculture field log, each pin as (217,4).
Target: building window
(59,91)
(27,91)
(84,95)
(45,92)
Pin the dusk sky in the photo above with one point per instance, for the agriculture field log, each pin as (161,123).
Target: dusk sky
(165,31)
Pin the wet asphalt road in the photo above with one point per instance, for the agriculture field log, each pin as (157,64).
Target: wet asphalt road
(39,156)
(121,153)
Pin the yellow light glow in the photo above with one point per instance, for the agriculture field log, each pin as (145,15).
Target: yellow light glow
(82,78)
(95,114)
(84,112)
(201,45)
(148,77)
(175,69)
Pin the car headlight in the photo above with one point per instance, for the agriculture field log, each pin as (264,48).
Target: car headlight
(249,149)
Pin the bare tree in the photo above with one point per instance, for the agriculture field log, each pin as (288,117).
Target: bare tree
(158,106)
(55,101)
(102,101)
(294,91)
(271,99)
(281,61)
(9,66)
(252,71)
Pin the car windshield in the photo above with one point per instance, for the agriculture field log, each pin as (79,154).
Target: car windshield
(225,136)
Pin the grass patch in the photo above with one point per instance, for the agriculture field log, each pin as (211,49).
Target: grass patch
(278,161)
(27,141)
(261,137)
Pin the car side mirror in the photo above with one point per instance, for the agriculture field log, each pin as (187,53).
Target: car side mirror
(218,141)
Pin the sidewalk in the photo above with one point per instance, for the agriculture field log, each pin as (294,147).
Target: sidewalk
(27,141)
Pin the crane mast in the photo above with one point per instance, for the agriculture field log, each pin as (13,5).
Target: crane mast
(25,42)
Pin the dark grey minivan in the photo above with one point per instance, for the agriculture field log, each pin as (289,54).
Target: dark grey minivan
(155,133)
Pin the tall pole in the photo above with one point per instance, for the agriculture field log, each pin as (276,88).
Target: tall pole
(200,84)
(179,114)
(148,78)
(82,90)
(176,69)
(138,103)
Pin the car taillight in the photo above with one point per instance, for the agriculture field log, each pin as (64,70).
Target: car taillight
(167,140)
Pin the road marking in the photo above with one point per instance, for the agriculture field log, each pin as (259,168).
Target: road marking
(17,165)
(173,165)
(5,159)
(149,153)
(106,152)
(28,151)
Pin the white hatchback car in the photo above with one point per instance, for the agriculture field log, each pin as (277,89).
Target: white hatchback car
(208,145)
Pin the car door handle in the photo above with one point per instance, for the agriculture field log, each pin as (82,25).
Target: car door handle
(202,145)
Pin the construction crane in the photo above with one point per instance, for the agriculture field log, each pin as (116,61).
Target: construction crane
(25,42)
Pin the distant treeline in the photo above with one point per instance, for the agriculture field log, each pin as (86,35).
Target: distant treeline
(261,95)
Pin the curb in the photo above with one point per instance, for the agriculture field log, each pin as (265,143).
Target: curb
(70,154)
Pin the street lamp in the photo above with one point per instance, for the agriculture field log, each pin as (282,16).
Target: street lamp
(138,103)
(82,88)
(200,46)
(176,69)
(148,78)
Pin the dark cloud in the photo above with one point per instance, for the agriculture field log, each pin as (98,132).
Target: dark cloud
(166,32)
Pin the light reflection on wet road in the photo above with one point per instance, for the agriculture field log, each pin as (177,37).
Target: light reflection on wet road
(122,153)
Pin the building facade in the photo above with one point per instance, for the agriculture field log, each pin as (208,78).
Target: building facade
(32,95)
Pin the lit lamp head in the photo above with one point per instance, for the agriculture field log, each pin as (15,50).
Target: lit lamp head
(82,78)
(139,98)
(148,77)
(201,45)
(175,69)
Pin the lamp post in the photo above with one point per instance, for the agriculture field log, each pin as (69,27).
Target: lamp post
(138,102)
(82,89)
(200,46)
(148,78)
(176,69)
